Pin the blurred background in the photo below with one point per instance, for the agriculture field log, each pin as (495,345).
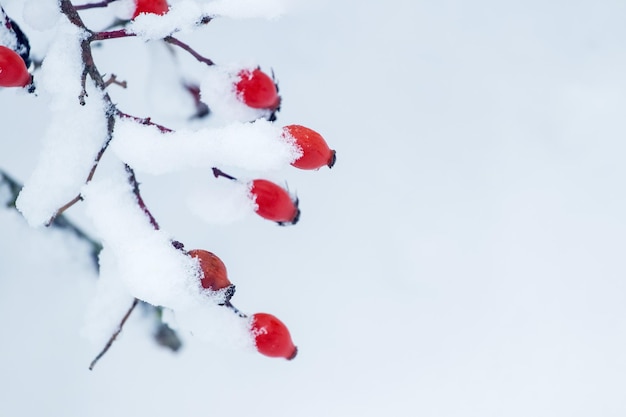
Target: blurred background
(463,258)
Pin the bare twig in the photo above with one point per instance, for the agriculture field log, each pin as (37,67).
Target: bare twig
(144,121)
(172,40)
(114,335)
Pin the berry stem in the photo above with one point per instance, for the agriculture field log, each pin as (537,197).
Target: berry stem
(219,173)
(172,40)
(114,335)
(234,309)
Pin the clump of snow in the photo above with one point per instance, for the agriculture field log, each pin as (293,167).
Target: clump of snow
(215,324)
(75,135)
(151,268)
(186,14)
(142,262)
(41,15)
(183,16)
(219,93)
(257,146)
(110,304)
(220,202)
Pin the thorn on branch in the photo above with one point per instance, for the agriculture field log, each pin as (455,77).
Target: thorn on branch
(113,80)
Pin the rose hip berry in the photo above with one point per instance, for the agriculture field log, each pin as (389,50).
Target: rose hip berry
(257,90)
(150,6)
(214,276)
(272,337)
(13,72)
(315,150)
(274,202)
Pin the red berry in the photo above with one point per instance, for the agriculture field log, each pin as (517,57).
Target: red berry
(150,6)
(272,337)
(274,203)
(257,90)
(214,276)
(315,150)
(13,72)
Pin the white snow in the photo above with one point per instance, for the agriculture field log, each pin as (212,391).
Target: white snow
(75,135)
(110,303)
(464,257)
(256,146)
(150,268)
(220,201)
(41,15)
(185,15)
(171,100)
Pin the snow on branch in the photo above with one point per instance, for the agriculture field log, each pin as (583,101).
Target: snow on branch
(256,146)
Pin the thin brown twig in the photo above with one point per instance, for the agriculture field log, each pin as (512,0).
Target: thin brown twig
(144,121)
(172,40)
(114,335)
